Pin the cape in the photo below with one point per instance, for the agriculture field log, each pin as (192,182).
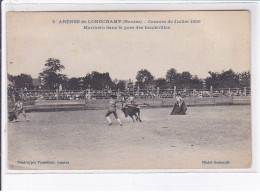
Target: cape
(179,110)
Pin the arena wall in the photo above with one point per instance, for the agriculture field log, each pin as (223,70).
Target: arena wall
(66,105)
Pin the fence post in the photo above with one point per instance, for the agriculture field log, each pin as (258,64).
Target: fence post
(22,94)
(89,96)
(138,91)
(244,91)
(174,91)
(85,99)
(158,92)
(211,91)
(57,92)
(194,91)
(229,92)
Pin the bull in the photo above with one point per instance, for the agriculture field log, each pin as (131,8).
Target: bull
(132,111)
(11,116)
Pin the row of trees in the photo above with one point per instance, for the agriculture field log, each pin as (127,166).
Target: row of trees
(181,80)
(51,78)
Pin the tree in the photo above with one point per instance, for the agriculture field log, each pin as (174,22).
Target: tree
(225,79)
(81,83)
(49,77)
(73,84)
(87,81)
(21,81)
(161,83)
(144,79)
(97,81)
(195,82)
(244,79)
(130,85)
(101,80)
(229,79)
(119,84)
(10,87)
(172,77)
(212,80)
(184,80)
(10,81)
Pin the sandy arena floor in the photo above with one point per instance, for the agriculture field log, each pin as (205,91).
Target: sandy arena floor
(82,140)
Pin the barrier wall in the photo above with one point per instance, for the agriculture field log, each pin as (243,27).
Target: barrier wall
(64,105)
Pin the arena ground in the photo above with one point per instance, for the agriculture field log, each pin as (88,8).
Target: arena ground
(81,140)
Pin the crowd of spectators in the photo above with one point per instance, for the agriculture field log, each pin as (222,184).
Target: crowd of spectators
(105,94)
(204,93)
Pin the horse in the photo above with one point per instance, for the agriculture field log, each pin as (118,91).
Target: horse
(132,110)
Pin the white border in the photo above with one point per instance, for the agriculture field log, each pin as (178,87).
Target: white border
(80,5)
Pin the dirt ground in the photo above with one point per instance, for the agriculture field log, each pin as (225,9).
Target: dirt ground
(207,137)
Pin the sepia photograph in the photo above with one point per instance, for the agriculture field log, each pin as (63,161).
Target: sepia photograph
(128,90)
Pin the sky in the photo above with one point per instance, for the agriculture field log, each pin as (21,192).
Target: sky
(221,41)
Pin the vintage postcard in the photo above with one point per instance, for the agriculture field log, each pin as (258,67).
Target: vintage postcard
(128,90)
